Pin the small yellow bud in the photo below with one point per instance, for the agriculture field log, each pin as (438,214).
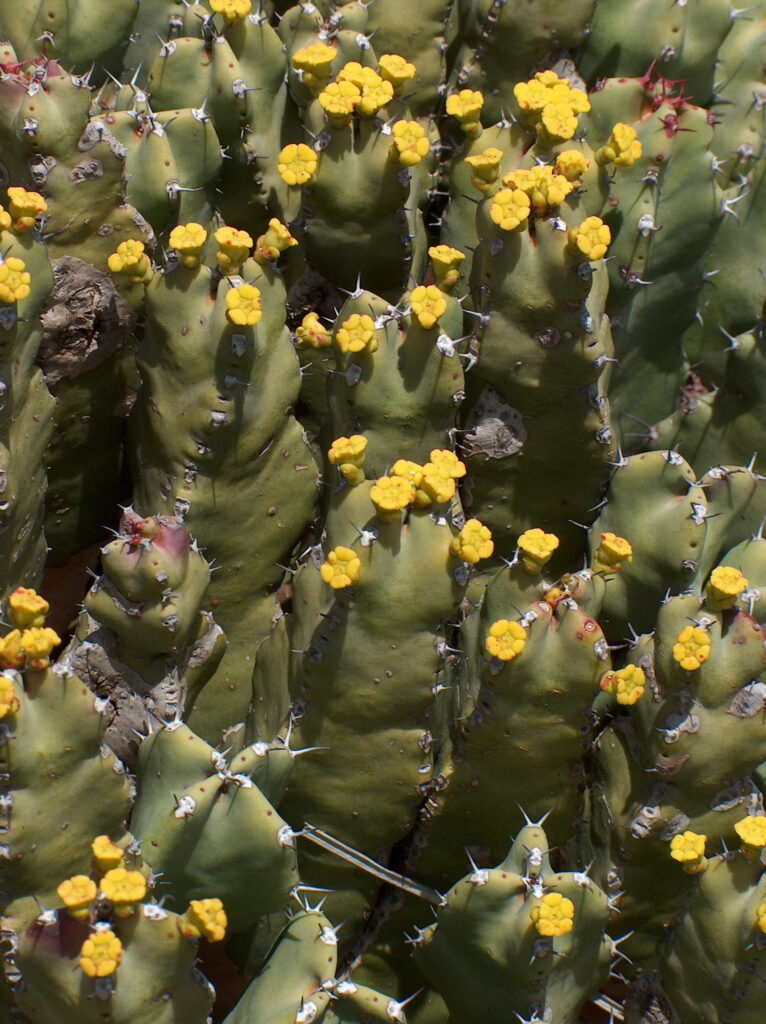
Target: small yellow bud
(5,219)
(243,305)
(446,263)
(312,333)
(553,915)
(27,608)
(347,449)
(338,100)
(409,470)
(626,684)
(131,260)
(100,954)
(234,249)
(506,639)
(297,164)
(11,653)
(427,304)
(536,547)
(77,893)
(485,168)
(435,487)
(622,148)
(473,543)
(611,554)
(269,245)
(204,919)
(37,644)
(106,854)
(572,164)
(341,568)
(692,648)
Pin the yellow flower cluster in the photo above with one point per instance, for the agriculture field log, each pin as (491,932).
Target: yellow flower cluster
(536,548)
(612,553)
(312,333)
(5,219)
(24,208)
(357,334)
(131,260)
(390,495)
(553,915)
(692,648)
(123,888)
(427,303)
(297,164)
(27,608)
(589,240)
(347,453)
(506,639)
(188,241)
(410,144)
(14,280)
(446,264)
(622,148)
(724,586)
(485,168)
(243,305)
(101,954)
(106,854)
(373,91)
(338,100)
(28,649)
(552,105)
(473,543)
(274,241)
(9,701)
(232,10)
(688,848)
(234,248)
(314,63)
(465,106)
(752,832)
(542,183)
(77,893)
(204,919)
(572,164)
(626,684)
(510,209)
(396,70)
(341,568)
(433,483)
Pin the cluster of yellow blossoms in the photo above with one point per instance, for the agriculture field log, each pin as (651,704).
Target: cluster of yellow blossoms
(552,105)
(553,915)
(28,645)
(23,210)
(131,260)
(692,648)
(625,684)
(101,952)
(409,483)
(688,848)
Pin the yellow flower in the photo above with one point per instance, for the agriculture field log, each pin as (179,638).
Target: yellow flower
(688,848)
(427,304)
(542,184)
(204,919)
(506,639)
(396,70)
(315,63)
(466,106)
(612,553)
(391,494)
(234,249)
(131,260)
(312,332)
(269,245)
(448,461)
(409,470)
(11,653)
(232,10)
(376,93)
(243,305)
(297,164)
(724,586)
(446,263)
(622,148)
(473,543)
(347,449)
(5,219)
(752,832)
(37,644)
(572,164)
(692,648)
(544,88)
(510,209)
(485,167)
(77,893)
(188,241)
(357,334)
(558,121)
(760,915)
(352,71)
(105,853)
(626,684)
(24,208)
(14,280)
(536,547)
(27,608)
(100,954)
(590,239)
(338,101)
(410,144)
(9,702)
(436,486)
(123,888)
(341,568)
(553,915)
